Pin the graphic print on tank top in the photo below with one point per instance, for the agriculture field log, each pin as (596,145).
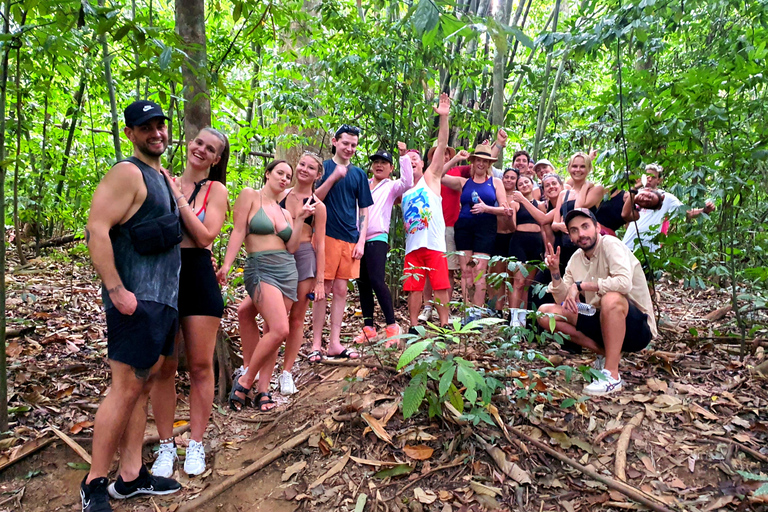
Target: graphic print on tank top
(417,214)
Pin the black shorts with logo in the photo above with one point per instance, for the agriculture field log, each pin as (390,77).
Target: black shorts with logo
(638,334)
(139,340)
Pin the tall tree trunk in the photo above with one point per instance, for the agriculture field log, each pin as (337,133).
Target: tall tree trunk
(190,25)
(75,113)
(3,91)
(540,121)
(136,51)
(111,88)
(16,224)
(40,196)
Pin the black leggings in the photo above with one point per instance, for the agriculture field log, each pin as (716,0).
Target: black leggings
(372,279)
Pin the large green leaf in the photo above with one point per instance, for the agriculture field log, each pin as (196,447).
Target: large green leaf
(412,352)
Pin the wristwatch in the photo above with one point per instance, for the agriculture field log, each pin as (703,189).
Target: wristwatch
(578,286)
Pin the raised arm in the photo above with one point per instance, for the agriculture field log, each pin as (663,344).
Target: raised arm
(111,204)
(460,156)
(338,174)
(433,172)
(590,195)
(709,207)
(628,211)
(539,216)
(406,171)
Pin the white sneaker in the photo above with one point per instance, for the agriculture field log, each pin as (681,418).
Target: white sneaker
(426,314)
(165,464)
(604,386)
(287,387)
(514,320)
(194,463)
(522,317)
(599,363)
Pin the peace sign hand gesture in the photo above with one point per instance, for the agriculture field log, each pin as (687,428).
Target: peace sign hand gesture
(552,259)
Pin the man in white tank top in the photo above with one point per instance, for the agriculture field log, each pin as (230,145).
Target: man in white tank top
(425,227)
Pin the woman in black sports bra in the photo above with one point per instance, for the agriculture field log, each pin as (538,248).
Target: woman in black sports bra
(202,198)
(584,194)
(615,211)
(270,271)
(310,266)
(526,246)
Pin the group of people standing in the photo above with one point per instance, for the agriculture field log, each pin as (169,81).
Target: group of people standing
(307,231)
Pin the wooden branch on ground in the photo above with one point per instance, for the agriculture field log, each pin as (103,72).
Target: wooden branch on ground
(72,444)
(746,449)
(25,450)
(56,242)
(621,447)
(718,314)
(358,362)
(15,332)
(602,435)
(264,461)
(625,489)
(156,438)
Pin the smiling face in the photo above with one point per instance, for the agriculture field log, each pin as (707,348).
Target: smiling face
(480,166)
(381,169)
(646,198)
(204,150)
(525,185)
(652,179)
(510,181)
(307,170)
(520,163)
(417,163)
(552,188)
(151,138)
(279,177)
(346,145)
(578,168)
(542,170)
(583,232)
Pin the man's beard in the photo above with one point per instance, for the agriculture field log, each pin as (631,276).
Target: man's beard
(589,245)
(144,149)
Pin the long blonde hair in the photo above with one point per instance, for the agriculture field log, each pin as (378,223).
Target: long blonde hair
(316,158)
(587,161)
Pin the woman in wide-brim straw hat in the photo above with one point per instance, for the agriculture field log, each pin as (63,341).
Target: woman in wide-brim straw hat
(475,230)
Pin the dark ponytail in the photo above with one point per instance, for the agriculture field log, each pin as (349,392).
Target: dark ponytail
(218,171)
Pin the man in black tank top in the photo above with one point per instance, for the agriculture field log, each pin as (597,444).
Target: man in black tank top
(140,275)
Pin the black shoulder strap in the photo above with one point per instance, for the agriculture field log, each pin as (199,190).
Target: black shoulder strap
(198,187)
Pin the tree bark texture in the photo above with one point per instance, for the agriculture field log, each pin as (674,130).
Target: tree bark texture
(111,89)
(3,91)
(16,224)
(190,25)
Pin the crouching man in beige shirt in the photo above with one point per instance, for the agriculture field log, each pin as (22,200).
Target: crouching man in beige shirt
(609,277)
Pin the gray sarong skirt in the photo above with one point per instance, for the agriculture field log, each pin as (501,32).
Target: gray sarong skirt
(306,261)
(277,268)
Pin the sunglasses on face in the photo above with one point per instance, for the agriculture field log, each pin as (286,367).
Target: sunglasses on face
(346,128)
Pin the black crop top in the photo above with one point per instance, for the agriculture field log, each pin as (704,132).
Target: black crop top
(524,216)
(570,205)
(609,213)
(309,220)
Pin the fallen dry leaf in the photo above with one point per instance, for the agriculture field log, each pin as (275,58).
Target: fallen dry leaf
(334,470)
(377,428)
(418,452)
(293,469)
(426,497)
(657,385)
(486,490)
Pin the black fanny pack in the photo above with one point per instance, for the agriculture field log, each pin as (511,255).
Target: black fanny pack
(157,235)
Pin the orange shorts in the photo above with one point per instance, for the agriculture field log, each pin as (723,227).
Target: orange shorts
(339,263)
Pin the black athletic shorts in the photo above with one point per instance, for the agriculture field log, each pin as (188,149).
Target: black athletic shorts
(638,334)
(476,234)
(139,340)
(501,246)
(526,246)
(199,292)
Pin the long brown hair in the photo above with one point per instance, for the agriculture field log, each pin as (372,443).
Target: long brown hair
(218,170)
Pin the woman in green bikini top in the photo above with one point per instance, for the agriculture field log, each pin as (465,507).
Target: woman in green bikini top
(269,273)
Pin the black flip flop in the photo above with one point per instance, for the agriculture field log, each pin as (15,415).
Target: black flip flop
(315,353)
(344,354)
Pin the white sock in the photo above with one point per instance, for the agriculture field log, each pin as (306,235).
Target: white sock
(521,316)
(167,445)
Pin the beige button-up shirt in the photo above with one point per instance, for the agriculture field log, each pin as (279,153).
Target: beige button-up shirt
(615,269)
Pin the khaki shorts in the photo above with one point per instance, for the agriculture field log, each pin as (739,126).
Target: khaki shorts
(450,246)
(339,263)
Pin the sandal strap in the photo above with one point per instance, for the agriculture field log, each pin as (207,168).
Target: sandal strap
(236,386)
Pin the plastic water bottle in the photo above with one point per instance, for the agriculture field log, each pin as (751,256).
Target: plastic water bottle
(586,309)
(475,197)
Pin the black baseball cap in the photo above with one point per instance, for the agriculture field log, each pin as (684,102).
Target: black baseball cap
(141,111)
(579,212)
(382,154)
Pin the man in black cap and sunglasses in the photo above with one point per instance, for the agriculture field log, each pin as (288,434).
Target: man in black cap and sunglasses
(345,191)
(132,235)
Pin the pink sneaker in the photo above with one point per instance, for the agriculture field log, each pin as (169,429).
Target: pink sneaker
(369,333)
(392,330)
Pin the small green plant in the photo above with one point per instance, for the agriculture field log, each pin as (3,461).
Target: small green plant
(763,489)
(435,373)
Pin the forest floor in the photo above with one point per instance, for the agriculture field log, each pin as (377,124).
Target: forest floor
(702,416)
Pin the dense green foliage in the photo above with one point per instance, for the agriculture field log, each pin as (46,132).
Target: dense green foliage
(286,73)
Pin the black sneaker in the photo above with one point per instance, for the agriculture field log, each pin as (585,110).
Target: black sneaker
(94,495)
(144,485)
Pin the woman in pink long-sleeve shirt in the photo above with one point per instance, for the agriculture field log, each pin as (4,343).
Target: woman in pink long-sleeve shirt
(372,267)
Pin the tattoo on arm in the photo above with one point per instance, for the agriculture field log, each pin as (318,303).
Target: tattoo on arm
(87,236)
(113,290)
(556,277)
(361,220)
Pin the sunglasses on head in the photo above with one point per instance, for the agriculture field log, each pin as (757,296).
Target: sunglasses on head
(347,128)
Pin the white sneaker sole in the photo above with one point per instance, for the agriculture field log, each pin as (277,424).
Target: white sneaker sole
(193,472)
(618,387)
(139,492)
